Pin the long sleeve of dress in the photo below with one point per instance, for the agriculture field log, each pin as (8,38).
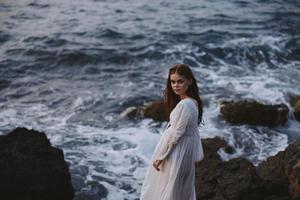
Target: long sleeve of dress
(177,128)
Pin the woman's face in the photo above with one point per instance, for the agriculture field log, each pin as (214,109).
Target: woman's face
(179,84)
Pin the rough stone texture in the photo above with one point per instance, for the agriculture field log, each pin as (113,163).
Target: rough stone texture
(220,180)
(94,190)
(272,170)
(254,113)
(155,110)
(276,178)
(283,170)
(243,112)
(293,173)
(295,103)
(32,169)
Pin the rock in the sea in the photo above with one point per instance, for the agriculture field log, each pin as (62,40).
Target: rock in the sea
(155,110)
(283,170)
(254,113)
(235,179)
(295,103)
(93,191)
(32,169)
(276,178)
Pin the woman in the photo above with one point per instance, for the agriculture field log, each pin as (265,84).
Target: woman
(172,173)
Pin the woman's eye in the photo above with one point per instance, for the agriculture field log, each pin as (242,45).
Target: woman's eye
(179,81)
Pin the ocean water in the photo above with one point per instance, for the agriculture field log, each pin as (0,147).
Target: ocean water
(70,68)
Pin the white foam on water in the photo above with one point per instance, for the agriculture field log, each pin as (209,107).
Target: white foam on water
(98,145)
(275,42)
(255,144)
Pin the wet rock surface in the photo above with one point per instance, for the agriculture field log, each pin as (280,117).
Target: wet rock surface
(295,103)
(254,113)
(30,168)
(276,178)
(155,110)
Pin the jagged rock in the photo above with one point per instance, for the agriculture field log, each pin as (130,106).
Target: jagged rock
(276,178)
(283,170)
(254,113)
(155,110)
(295,103)
(272,170)
(235,179)
(94,190)
(32,169)
(293,173)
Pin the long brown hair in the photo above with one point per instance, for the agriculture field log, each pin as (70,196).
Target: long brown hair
(171,99)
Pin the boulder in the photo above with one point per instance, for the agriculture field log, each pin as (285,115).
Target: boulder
(276,178)
(254,113)
(32,169)
(295,103)
(283,170)
(235,179)
(155,110)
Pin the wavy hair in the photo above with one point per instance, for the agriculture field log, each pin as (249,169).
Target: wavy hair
(171,99)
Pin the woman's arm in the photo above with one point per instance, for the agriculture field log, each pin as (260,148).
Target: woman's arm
(177,128)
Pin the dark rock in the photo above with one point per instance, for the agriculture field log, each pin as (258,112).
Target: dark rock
(32,169)
(295,103)
(276,178)
(94,190)
(272,170)
(211,146)
(155,110)
(229,149)
(235,179)
(83,196)
(283,170)
(77,182)
(293,173)
(254,113)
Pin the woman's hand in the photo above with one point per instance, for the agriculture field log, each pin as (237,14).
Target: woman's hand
(156,164)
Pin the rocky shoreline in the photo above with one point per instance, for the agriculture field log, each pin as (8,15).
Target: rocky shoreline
(30,168)
(276,178)
(235,112)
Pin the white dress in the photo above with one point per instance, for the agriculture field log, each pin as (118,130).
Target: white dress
(180,147)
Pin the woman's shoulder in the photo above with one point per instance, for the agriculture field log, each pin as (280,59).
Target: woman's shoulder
(183,105)
(190,105)
(188,101)
(182,109)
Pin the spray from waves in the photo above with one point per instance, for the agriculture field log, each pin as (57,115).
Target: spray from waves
(254,143)
(117,159)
